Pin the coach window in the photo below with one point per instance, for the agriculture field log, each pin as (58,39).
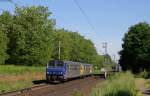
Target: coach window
(68,67)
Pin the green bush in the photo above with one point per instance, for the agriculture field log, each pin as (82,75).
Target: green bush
(147,84)
(121,84)
(145,74)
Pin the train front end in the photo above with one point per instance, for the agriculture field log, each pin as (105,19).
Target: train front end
(55,71)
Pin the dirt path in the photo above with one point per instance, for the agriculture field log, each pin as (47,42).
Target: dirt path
(21,77)
(140,84)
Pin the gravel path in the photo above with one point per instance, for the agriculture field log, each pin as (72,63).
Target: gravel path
(140,83)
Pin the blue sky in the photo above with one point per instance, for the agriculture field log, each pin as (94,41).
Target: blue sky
(110,18)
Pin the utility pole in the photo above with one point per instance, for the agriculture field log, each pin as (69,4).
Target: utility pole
(114,58)
(59,50)
(105,47)
(105,54)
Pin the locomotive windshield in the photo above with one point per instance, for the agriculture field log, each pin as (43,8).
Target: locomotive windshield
(54,64)
(51,64)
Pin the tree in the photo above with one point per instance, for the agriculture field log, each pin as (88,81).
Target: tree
(62,36)
(34,40)
(3,46)
(98,61)
(74,47)
(5,28)
(30,39)
(135,54)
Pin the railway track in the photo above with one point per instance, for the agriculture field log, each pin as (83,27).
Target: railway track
(60,89)
(17,92)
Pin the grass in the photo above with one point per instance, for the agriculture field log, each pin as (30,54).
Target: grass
(11,86)
(17,77)
(147,83)
(77,93)
(122,84)
(13,69)
(96,71)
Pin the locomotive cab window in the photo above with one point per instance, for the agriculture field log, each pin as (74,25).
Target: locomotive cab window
(51,64)
(54,64)
(59,64)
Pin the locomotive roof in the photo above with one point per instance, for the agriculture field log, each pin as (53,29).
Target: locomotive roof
(76,62)
(71,62)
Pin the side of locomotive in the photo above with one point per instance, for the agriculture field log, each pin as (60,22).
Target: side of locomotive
(62,70)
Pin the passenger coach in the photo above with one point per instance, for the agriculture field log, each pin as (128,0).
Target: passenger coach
(62,70)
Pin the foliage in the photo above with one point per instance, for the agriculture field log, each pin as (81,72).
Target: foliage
(3,36)
(74,47)
(83,49)
(3,46)
(29,37)
(117,86)
(61,36)
(98,63)
(135,54)
(145,74)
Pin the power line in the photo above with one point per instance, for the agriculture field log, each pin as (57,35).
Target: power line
(15,3)
(85,15)
(11,1)
(105,54)
(93,28)
(2,9)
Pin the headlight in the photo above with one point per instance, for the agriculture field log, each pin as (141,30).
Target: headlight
(47,72)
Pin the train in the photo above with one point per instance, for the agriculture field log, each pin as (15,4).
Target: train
(58,70)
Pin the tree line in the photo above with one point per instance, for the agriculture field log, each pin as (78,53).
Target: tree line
(135,55)
(29,37)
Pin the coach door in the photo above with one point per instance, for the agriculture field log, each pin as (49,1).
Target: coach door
(81,69)
(91,69)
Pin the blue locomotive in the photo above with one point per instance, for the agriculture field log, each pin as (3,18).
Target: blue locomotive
(58,70)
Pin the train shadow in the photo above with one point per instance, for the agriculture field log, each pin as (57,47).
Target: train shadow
(39,81)
(66,81)
(44,81)
(98,76)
